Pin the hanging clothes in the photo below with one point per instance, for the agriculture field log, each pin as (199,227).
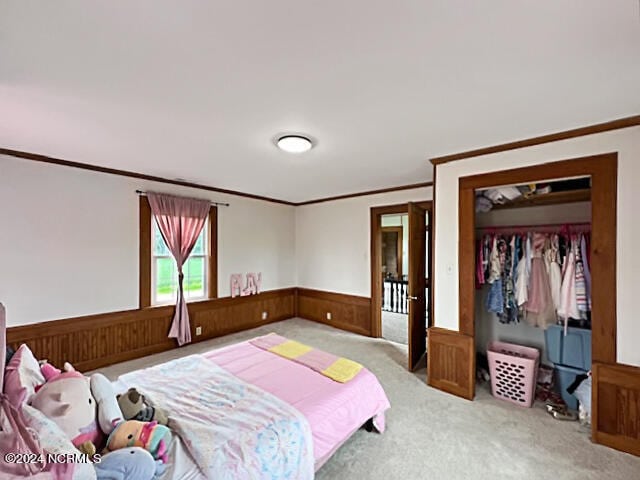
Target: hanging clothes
(510,312)
(529,280)
(522,291)
(568,303)
(584,250)
(479,263)
(581,285)
(540,308)
(555,272)
(495,298)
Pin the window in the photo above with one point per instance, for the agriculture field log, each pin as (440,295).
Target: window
(164,273)
(158,279)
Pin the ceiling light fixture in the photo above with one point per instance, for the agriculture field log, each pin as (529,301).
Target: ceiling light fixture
(294,143)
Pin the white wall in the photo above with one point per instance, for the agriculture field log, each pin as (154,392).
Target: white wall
(69,240)
(627,143)
(333,241)
(488,328)
(400,221)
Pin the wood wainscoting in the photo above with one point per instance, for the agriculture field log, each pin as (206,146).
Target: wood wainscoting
(348,312)
(96,341)
(616,416)
(452,362)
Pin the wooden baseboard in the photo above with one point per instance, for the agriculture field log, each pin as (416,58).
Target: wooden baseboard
(451,362)
(616,402)
(96,341)
(348,312)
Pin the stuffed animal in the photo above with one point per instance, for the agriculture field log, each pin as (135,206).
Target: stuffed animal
(134,407)
(67,400)
(127,464)
(109,414)
(149,435)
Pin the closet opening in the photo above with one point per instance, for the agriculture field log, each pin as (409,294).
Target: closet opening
(457,348)
(533,295)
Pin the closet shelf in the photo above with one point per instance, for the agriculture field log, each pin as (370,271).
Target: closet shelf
(552,198)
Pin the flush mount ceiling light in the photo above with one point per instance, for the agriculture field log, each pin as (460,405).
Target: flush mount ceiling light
(294,143)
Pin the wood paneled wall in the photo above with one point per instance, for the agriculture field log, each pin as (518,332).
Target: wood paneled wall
(452,362)
(348,312)
(616,416)
(96,341)
(99,340)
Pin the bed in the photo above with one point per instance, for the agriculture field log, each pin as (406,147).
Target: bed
(242,383)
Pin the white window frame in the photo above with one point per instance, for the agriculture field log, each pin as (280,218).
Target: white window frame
(205,256)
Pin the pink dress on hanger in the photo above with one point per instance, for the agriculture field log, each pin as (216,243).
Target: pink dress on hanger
(540,309)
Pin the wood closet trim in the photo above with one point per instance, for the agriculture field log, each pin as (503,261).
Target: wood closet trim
(603,170)
(451,363)
(616,420)
(552,137)
(144,231)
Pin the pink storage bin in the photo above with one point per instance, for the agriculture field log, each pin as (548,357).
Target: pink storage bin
(513,370)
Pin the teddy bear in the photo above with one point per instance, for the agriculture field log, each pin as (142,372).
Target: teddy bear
(134,407)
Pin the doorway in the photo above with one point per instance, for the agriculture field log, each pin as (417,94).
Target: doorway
(400,287)
(395,257)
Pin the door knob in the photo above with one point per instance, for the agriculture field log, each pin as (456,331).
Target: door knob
(412,298)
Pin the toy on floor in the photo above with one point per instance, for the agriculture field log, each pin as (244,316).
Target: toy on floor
(134,407)
(109,414)
(129,463)
(67,400)
(151,436)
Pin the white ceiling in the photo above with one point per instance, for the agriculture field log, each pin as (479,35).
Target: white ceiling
(198,89)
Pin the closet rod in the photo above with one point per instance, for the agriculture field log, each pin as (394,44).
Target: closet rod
(570,227)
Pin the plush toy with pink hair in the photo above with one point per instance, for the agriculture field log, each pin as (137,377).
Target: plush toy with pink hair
(67,400)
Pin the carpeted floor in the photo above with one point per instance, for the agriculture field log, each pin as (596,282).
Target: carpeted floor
(395,327)
(433,435)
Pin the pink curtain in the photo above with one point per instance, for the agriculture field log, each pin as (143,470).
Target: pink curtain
(180,221)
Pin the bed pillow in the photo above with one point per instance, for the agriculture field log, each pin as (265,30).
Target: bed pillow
(22,375)
(53,441)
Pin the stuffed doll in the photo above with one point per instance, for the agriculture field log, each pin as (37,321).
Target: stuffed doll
(134,407)
(149,435)
(67,400)
(128,464)
(109,414)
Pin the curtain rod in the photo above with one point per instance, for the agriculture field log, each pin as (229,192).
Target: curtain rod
(571,227)
(142,193)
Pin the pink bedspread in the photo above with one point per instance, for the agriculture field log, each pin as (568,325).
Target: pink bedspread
(334,410)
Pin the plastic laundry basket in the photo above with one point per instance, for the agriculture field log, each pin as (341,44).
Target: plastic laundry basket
(513,370)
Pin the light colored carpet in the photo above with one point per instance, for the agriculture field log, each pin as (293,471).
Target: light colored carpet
(395,327)
(433,435)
